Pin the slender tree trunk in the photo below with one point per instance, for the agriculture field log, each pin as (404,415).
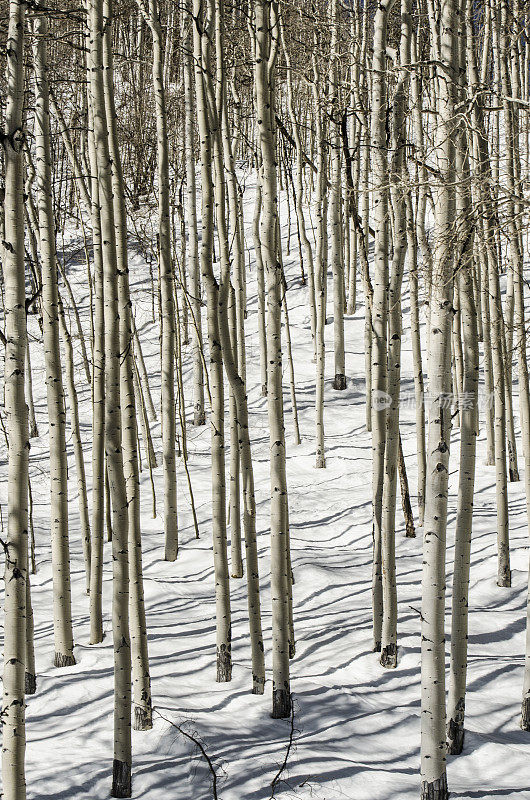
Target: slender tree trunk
(202,63)
(379,396)
(419,394)
(298,187)
(398,188)
(260,281)
(62,599)
(16,560)
(320,269)
(199,417)
(468,437)
(121,779)
(30,675)
(337,255)
(266,47)
(129,430)
(166,294)
(98,402)
(433,716)
(78,445)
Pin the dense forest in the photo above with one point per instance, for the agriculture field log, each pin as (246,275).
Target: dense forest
(264,399)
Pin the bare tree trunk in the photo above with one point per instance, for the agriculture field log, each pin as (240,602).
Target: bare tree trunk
(98,403)
(266,49)
(299,193)
(320,268)
(16,560)
(121,780)
(419,394)
(166,294)
(30,674)
(337,255)
(78,445)
(199,416)
(398,188)
(33,429)
(468,415)
(62,599)
(129,432)
(203,28)
(433,716)
(379,396)
(260,280)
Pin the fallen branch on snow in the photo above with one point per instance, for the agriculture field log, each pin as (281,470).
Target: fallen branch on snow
(199,744)
(277,777)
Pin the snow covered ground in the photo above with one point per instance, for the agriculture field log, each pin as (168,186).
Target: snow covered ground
(356,726)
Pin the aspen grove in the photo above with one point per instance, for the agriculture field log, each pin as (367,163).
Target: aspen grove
(265,399)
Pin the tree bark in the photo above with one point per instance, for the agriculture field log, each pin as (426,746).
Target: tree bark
(16,560)
(265,54)
(433,716)
(62,596)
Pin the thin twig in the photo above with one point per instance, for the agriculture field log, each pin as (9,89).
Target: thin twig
(276,778)
(199,744)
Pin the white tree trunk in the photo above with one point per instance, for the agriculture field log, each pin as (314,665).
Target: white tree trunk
(129,430)
(121,779)
(62,599)
(16,561)
(202,59)
(199,417)
(433,714)
(263,69)
(398,188)
(379,379)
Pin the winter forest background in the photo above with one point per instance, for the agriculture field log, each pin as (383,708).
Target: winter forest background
(264,399)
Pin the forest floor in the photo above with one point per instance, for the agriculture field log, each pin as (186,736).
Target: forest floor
(356,726)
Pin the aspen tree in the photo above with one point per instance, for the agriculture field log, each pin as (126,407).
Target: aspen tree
(290,361)
(30,674)
(492,324)
(62,600)
(379,378)
(121,778)
(433,715)
(166,295)
(364,208)
(421,210)
(260,285)
(419,394)
(235,211)
(227,322)
(98,390)
(234,510)
(321,261)
(202,30)
(352,189)
(193,242)
(142,373)
(78,445)
(468,411)
(16,560)
(129,429)
(516,259)
(499,395)
(306,245)
(398,178)
(335,206)
(33,429)
(265,56)
(144,421)
(230,296)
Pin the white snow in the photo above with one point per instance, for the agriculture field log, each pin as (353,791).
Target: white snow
(356,725)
